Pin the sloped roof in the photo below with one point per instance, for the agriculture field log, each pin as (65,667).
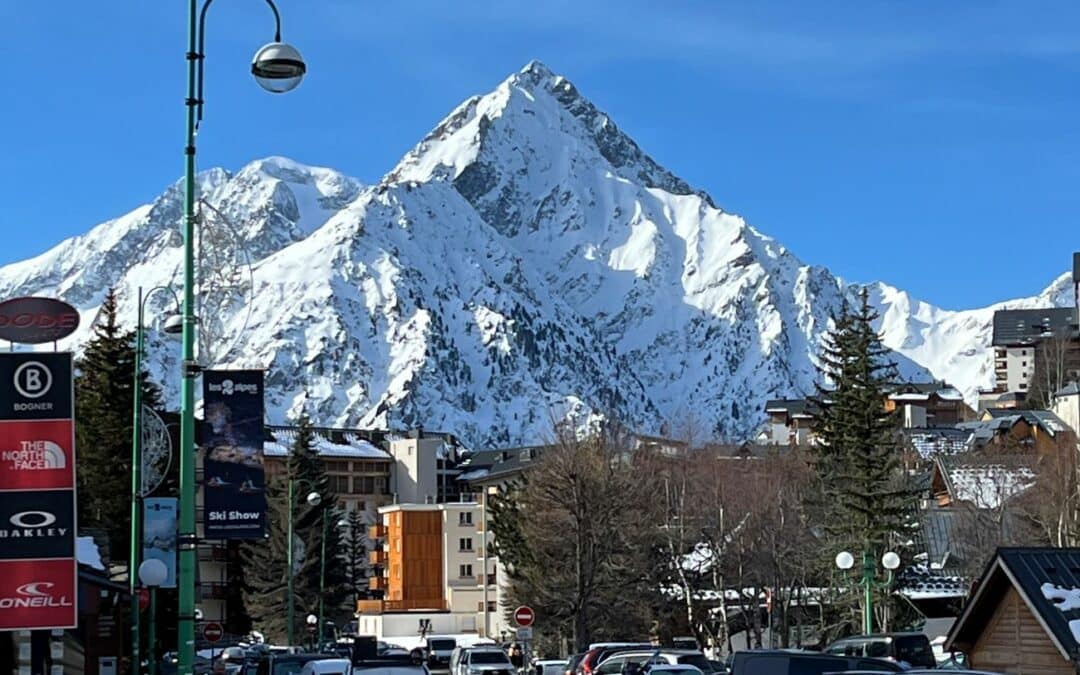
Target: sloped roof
(1048,581)
(1071,389)
(792,406)
(930,441)
(1025,326)
(987,481)
(347,444)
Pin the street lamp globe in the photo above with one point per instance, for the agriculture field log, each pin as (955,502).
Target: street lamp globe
(845,560)
(174,325)
(890,561)
(314,499)
(152,572)
(278,67)
(312,619)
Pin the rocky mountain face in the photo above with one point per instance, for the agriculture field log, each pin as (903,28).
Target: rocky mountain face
(526,262)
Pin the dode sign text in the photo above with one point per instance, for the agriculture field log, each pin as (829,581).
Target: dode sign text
(36,320)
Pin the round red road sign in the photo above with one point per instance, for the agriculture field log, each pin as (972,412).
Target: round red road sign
(144,599)
(213,632)
(524,616)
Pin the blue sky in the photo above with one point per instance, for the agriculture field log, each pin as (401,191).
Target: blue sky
(934,146)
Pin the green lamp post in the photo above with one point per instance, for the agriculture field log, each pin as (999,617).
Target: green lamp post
(278,68)
(890,561)
(172,326)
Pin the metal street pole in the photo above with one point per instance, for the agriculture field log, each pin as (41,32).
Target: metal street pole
(322,581)
(483,544)
(289,560)
(868,591)
(185,636)
(151,633)
(136,489)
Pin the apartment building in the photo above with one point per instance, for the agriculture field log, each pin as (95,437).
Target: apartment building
(432,558)
(1016,337)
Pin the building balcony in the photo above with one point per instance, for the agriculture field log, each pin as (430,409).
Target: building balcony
(377,557)
(384,606)
(213,590)
(377,532)
(377,583)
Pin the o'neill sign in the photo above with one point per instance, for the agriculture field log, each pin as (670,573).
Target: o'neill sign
(36,320)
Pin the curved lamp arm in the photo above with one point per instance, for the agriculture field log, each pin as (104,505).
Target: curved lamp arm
(201,55)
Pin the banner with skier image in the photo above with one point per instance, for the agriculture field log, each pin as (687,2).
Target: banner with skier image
(234,484)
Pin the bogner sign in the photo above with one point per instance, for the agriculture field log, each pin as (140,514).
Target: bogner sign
(36,320)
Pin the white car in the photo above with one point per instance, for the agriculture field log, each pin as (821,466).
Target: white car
(485,661)
(613,665)
(550,667)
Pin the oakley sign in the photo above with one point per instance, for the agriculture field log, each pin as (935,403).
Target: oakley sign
(36,320)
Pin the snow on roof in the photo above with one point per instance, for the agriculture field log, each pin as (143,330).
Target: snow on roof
(910,397)
(990,485)
(476,474)
(354,446)
(698,560)
(86,550)
(1063,598)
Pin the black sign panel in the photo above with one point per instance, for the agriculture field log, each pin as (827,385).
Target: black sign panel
(37,524)
(37,320)
(234,485)
(35,386)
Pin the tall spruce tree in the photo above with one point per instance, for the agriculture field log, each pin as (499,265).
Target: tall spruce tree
(356,554)
(104,399)
(266,580)
(866,500)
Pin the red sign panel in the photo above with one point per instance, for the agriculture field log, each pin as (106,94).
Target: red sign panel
(524,616)
(38,594)
(37,320)
(213,632)
(36,455)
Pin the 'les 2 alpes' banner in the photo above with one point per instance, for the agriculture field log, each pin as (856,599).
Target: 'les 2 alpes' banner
(234,484)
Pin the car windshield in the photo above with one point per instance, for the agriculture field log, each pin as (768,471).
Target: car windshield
(698,661)
(488,657)
(916,650)
(442,645)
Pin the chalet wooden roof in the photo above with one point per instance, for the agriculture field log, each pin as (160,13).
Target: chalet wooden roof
(1047,580)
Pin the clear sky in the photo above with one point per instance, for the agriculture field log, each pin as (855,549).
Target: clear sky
(934,146)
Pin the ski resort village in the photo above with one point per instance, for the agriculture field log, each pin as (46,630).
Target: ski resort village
(523,400)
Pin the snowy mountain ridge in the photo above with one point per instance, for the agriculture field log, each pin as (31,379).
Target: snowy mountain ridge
(526,261)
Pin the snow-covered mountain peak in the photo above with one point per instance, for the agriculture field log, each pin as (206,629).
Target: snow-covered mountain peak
(526,261)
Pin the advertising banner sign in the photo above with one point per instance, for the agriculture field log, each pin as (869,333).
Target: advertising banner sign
(159,534)
(38,565)
(234,485)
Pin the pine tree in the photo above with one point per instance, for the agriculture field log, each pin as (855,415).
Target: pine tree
(356,554)
(266,577)
(104,399)
(867,503)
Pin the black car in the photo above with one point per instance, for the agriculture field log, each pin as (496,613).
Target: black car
(791,662)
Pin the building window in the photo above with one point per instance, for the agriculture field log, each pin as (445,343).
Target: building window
(397,545)
(465,544)
(1023,364)
(465,571)
(1023,385)
(339,484)
(465,518)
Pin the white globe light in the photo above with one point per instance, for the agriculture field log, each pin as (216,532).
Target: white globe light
(845,560)
(278,67)
(312,619)
(890,560)
(153,572)
(314,499)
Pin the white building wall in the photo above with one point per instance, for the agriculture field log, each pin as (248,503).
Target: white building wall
(1019,368)
(1068,409)
(414,474)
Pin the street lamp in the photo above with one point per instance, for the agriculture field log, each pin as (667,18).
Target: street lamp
(313,499)
(135,552)
(312,621)
(890,561)
(152,573)
(276,70)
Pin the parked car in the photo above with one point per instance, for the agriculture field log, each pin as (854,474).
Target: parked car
(437,650)
(572,663)
(656,656)
(327,667)
(287,664)
(668,669)
(912,649)
(549,667)
(795,662)
(486,661)
(457,656)
(600,651)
